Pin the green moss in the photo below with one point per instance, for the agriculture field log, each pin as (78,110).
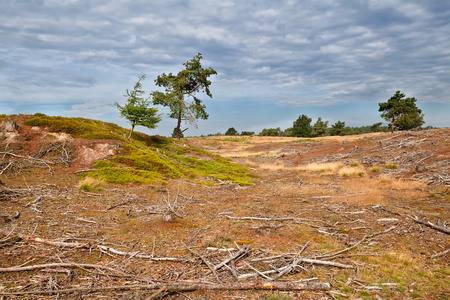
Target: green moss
(169,160)
(79,127)
(123,176)
(103,164)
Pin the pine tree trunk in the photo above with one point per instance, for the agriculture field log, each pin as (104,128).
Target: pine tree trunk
(178,129)
(131,131)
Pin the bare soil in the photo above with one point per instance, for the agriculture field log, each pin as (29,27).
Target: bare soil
(127,237)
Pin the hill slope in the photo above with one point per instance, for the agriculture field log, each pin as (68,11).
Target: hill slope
(103,148)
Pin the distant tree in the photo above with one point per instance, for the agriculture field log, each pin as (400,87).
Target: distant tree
(302,127)
(188,82)
(270,132)
(376,127)
(287,132)
(402,113)
(231,131)
(247,133)
(338,128)
(320,128)
(136,110)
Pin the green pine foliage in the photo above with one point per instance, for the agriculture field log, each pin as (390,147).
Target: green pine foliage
(401,112)
(187,83)
(137,110)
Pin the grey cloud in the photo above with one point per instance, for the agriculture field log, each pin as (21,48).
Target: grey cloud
(295,52)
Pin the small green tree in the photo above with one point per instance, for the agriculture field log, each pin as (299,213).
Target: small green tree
(338,128)
(302,127)
(136,110)
(231,131)
(320,128)
(188,82)
(402,113)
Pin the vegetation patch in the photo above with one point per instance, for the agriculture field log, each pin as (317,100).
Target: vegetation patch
(391,166)
(305,141)
(322,167)
(89,184)
(160,162)
(79,127)
(351,172)
(145,159)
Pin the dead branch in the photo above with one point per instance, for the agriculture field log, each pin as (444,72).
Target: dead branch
(117,205)
(242,252)
(260,218)
(431,225)
(61,265)
(441,253)
(4,169)
(325,263)
(45,241)
(333,211)
(34,201)
(87,245)
(42,161)
(205,261)
(294,263)
(381,232)
(151,257)
(286,269)
(192,286)
(84,171)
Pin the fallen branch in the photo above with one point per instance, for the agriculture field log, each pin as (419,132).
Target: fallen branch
(61,265)
(135,254)
(34,201)
(286,269)
(192,286)
(431,225)
(242,251)
(441,253)
(260,218)
(117,205)
(45,241)
(381,232)
(205,261)
(87,245)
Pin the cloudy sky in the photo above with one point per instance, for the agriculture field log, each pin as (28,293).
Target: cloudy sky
(276,60)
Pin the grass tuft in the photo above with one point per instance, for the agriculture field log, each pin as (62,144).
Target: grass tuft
(90,184)
(323,167)
(352,172)
(391,166)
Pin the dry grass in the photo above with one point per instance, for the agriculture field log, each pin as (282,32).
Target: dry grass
(376,191)
(321,167)
(352,171)
(90,184)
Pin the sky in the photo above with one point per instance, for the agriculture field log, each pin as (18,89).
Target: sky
(276,60)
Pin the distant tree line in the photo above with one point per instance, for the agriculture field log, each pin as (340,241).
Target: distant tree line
(401,113)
